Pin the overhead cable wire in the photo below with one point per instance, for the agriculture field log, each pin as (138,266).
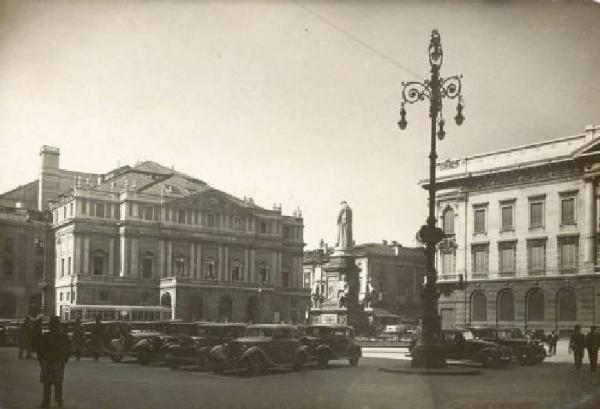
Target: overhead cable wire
(358,40)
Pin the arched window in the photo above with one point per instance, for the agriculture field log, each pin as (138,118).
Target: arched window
(180,265)
(506,306)
(98,262)
(147,262)
(263,272)
(252,310)
(448,221)
(165,300)
(478,307)
(535,305)
(567,305)
(225,308)
(8,305)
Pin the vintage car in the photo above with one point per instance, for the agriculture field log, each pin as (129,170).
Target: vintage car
(261,347)
(207,335)
(527,352)
(328,342)
(462,345)
(146,346)
(10,333)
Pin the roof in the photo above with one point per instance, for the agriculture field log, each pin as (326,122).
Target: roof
(380,312)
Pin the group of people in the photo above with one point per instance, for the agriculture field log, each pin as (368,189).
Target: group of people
(580,342)
(53,349)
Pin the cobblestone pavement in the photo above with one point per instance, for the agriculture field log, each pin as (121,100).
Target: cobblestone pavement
(89,384)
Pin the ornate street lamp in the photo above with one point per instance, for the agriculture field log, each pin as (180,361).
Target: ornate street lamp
(428,352)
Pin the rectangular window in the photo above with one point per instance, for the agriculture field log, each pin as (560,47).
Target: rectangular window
(506,257)
(71,209)
(68,295)
(507,216)
(69,266)
(567,211)
(237,223)
(147,267)
(148,213)
(65,212)
(60,296)
(567,253)
(62,267)
(167,214)
(447,262)
(130,209)
(117,211)
(9,245)
(536,256)
(480,254)
(196,216)
(99,209)
(536,214)
(156,213)
(479,220)
(181,216)
(83,206)
(98,265)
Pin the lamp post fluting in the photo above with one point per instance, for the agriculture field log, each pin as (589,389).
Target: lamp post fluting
(428,352)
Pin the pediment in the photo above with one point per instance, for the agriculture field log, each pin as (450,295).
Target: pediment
(590,148)
(211,200)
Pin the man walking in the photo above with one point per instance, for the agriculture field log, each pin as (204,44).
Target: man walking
(53,353)
(552,341)
(592,344)
(78,340)
(577,346)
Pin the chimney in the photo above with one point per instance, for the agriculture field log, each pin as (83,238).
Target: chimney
(49,180)
(590,132)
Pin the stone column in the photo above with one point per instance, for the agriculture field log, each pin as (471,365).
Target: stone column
(77,255)
(252,274)
(275,270)
(199,261)
(192,273)
(111,256)
(86,255)
(220,266)
(589,223)
(169,259)
(161,259)
(134,257)
(124,256)
(226,273)
(246,278)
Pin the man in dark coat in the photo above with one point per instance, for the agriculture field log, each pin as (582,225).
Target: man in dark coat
(552,341)
(53,353)
(592,343)
(36,334)
(25,339)
(577,346)
(97,338)
(78,340)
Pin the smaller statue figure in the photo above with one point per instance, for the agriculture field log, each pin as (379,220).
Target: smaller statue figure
(344,222)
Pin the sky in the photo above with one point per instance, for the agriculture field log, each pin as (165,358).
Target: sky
(293,102)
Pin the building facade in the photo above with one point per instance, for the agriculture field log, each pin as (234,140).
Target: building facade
(390,277)
(25,244)
(149,235)
(521,236)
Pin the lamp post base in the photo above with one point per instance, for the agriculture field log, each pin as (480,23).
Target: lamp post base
(428,356)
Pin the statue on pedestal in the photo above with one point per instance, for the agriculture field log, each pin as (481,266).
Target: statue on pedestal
(344,222)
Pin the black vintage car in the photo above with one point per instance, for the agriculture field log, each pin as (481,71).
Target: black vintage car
(145,346)
(328,342)
(262,346)
(463,345)
(207,335)
(527,352)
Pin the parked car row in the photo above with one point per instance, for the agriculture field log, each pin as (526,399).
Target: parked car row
(225,347)
(491,347)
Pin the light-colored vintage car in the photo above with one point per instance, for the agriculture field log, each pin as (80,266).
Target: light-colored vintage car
(327,342)
(262,346)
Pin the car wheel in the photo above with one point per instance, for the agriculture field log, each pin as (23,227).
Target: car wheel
(143,358)
(116,358)
(299,362)
(252,367)
(490,361)
(202,364)
(173,364)
(354,360)
(218,367)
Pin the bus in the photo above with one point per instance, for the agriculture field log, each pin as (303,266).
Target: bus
(115,312)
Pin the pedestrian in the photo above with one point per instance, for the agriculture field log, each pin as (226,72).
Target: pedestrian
(25,339)
(53,353)
(592,343)
(577,346)
(552,341)
(97,340)
(78,339)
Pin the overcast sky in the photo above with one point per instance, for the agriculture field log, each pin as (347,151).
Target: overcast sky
(291,102)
